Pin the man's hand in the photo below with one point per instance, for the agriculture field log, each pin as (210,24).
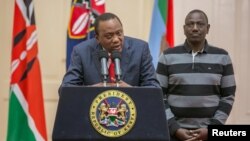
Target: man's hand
(184,134)
(200,133)
(98,85)
(123,84)
(192,135)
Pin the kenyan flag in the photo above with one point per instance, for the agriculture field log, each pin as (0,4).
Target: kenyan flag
(26,110)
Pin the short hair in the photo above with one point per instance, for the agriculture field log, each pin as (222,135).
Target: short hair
(197,11)
(104,17)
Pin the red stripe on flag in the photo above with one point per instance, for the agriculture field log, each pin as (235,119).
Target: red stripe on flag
(19,21)
(170,24)
(32,89)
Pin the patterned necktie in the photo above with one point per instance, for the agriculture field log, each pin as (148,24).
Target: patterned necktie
(112,71)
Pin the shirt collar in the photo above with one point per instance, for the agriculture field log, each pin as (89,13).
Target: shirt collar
(189,50)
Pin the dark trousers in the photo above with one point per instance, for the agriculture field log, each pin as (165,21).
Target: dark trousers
(173,138)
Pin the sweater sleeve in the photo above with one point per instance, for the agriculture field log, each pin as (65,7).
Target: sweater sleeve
(228,88)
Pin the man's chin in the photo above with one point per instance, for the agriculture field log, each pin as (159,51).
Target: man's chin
(195,41)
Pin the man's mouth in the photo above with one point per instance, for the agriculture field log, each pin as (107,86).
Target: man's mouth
(116,47)
(195,35)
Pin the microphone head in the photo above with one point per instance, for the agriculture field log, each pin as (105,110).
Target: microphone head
(103,54)
(116,55)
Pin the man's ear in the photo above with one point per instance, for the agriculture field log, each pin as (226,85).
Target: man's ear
(208,27)
(97,37)
(184,31)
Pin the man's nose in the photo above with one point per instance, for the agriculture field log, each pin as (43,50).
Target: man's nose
(195,26)
(116,38)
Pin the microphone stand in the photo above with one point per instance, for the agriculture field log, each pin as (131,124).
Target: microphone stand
(104,84)
(105,80)
(117,84)
(118,79)
(116,57)
(103,56)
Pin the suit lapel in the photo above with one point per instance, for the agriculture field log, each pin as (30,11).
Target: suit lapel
(96,59)
(126,55)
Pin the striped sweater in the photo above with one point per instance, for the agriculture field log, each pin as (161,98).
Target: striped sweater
(199,89)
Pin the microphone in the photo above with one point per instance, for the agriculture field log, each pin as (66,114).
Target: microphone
(116,57)
(103,57)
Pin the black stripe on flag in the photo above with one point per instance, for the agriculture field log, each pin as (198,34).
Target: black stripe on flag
(19,37)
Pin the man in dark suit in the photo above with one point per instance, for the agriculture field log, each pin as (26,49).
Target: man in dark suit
(136,62)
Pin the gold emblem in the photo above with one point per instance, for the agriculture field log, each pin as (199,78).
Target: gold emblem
(112,113)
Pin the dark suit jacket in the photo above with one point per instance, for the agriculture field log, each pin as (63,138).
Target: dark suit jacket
(136,64)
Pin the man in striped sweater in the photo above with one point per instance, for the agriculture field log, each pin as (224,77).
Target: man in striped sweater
(198,82)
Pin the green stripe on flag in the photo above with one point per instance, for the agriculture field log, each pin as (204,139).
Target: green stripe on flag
(162,4)
(18,128)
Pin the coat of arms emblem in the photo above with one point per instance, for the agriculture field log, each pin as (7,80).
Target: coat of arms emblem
(112,113)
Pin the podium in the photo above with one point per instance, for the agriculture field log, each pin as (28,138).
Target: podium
(74,120)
